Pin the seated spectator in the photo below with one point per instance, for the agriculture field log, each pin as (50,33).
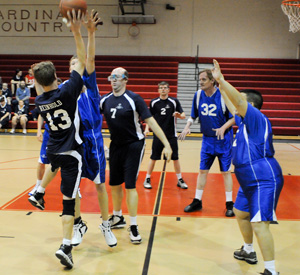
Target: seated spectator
(6,92)
(22,93)
(15,82)
(29,81)
(5,112)
(20,116)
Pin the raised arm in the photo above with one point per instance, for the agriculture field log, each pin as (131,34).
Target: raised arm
(75,24)
(235,97)
(90,25)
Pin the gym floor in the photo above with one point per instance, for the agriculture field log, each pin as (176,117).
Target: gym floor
(174,242)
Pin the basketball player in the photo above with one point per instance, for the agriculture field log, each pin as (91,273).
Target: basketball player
(94,157)
(165,109)
(215,122)
(258,172)
(123,109)
(59,109)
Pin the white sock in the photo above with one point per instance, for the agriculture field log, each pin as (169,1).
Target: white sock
(117,213)
(248,247)
(41,189)
(228,196)
(66,242)
(199,194)
(38,183)
(270,265)
(132,220)
(179,176)
(105,223)
(148,176)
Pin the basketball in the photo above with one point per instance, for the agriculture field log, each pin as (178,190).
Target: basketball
(68,5)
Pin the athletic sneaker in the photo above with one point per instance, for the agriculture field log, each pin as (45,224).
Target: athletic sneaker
(64,253)
(229,209)
(78,231)
(194,206)
(182,184)
(12,131)
(24,132)
(31,193)
(117,221)
(134,234)
(147,183)
(37,200)
(241,254)
(108,235)
(267,272)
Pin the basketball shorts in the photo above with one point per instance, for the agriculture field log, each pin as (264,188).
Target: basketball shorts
(157,148)
(212,148)
(261,184)
(124,163)
(70,164)
(43,154)
(94,161)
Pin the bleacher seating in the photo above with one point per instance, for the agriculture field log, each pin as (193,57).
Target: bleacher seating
(277,79)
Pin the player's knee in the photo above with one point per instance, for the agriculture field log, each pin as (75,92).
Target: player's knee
(69,207)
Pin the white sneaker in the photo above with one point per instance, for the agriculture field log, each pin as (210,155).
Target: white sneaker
(182,184)
(108,235)
(24,132)
(106,150)
(78,231)
(31,193)
(147,183)
(134,234)
(12,131)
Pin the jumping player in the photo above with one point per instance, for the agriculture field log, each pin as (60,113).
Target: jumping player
(215,122)
(59,109)
(258,172)
(165,109)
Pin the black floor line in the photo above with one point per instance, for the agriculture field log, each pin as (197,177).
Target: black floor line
(154,221)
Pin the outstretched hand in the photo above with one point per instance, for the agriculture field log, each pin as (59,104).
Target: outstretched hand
(92,20)
(216,71)
(74,20)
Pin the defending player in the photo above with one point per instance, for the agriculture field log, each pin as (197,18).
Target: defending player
(258,172)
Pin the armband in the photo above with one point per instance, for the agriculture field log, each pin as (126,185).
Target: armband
(191,120)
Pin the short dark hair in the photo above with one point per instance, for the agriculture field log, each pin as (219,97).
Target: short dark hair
(44,73)
(254,96)
(163,83)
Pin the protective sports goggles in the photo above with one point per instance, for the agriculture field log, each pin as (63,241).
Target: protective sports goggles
(116,77)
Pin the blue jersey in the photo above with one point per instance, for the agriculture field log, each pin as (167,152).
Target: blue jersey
(123,115)
(253,139)
(212,112)
(163,110)
(60,111)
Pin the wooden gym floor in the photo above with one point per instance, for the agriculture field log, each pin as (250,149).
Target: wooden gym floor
(174,242)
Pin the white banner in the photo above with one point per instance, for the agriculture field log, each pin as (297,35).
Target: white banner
(45,20)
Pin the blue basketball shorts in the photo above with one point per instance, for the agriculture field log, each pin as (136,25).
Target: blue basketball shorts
(43,154)
(212,148)
(261,183)
(94,161)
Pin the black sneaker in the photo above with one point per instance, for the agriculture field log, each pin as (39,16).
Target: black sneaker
(182,184)
(134,234)
(116,221)
(241,254)
(37,200)
(267,272)
(229,209)
(147,183)
(64,253)
(194,206)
